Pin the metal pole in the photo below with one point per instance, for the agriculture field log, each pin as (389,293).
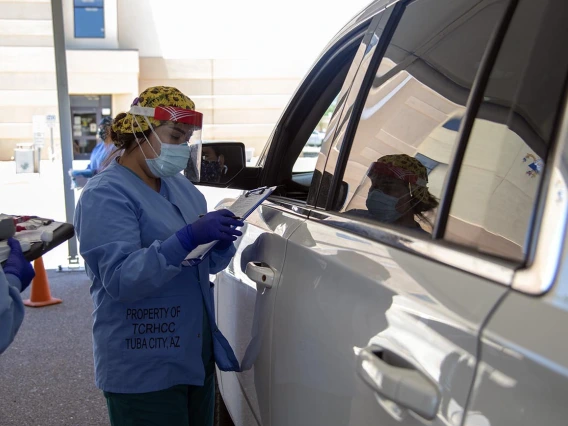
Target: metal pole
(64,119)
(52,144)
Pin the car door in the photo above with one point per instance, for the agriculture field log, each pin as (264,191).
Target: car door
(372,319)
(524,363)
(245,304)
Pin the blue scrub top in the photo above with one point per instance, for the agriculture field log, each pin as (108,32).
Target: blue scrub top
(148,309)
(11,308)
(98,156)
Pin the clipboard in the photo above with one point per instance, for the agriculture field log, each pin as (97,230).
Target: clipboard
(242,207)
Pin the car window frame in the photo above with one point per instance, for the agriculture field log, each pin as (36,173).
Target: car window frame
(501,271)
(359,34)
(550,219)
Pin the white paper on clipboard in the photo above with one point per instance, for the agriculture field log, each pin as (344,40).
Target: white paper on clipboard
(242,207)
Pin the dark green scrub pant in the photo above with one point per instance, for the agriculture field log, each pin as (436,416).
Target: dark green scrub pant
(180,405)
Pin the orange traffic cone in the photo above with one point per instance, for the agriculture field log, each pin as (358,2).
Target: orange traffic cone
(40,294)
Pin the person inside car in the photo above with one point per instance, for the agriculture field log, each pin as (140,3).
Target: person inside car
(399,192)
(212,165)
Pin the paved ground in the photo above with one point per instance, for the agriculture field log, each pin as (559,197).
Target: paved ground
(46,375)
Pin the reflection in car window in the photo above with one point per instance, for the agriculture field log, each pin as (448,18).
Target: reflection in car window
(307,159)
(504,162)
(398,193)
(410,121)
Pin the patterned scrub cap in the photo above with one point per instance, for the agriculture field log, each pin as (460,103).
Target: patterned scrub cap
(152,97)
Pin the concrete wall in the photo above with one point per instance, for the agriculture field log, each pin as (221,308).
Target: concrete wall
(239,61)
(27,70)
(240,99)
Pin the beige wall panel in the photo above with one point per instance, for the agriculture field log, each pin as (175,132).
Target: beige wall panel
(23,131)
(122,102)
(251,101)
(25,27)
(258,68)
(103,61)
(27,1)
(234,86)
(7,148)
(25,41)
(27,59)
(25,10)
(237,131)
(28,81)
(246,116)
(23,114)
(202,102)
(191,87)
(159,69)
(28,97)
(103,83)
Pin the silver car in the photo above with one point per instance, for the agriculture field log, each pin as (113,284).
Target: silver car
(342,314)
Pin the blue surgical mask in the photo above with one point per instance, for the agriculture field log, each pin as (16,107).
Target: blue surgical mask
(383,206)
(172,159)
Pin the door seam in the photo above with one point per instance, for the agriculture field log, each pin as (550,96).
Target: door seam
(478,351)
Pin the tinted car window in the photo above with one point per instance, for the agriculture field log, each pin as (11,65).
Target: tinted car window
(506,154)
(409,124)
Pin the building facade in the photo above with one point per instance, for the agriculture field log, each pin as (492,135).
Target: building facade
(240,69)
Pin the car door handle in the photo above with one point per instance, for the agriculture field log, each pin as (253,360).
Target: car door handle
(397,380)
(260,273)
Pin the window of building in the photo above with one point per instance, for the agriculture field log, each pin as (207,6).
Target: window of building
(89,19)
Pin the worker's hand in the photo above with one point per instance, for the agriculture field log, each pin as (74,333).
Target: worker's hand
(223,245)
(17,265)
(217,225)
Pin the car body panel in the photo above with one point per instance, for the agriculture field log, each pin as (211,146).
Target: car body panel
(349,293)
(244,312)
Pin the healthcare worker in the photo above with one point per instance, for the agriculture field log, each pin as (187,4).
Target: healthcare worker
(101,152)
(154,333)
(104,148)
(15,276)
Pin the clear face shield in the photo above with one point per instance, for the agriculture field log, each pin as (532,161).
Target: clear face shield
(182,129)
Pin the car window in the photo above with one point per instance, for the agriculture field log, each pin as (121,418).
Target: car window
(409,124)
(501,172)
(307,159)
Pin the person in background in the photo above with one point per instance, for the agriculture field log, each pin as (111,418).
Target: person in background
(15,276)
(104,147)
(154,333)
(101,152)
(399,192)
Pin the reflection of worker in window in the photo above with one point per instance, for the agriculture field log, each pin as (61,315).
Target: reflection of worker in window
(399,191)
(212,164)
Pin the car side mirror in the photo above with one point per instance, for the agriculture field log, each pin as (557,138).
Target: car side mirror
(220,162)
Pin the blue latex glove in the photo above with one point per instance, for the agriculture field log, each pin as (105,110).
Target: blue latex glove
(17,265)
(218,225)
(223,245)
